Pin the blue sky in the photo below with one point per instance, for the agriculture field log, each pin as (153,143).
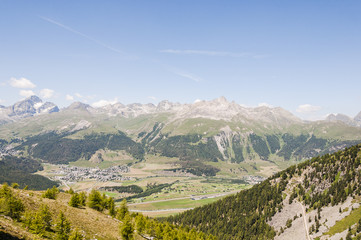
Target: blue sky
(304,56)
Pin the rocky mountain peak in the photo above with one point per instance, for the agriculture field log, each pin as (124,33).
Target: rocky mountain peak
(28,107)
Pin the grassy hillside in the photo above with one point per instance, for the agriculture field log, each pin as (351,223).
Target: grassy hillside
(28,214)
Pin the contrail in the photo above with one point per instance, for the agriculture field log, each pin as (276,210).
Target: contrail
(81,34)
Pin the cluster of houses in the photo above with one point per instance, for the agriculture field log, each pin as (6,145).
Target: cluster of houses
(75,174)
(254,179)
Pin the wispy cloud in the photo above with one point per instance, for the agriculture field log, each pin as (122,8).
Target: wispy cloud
(152,97)
(81,34)
(213,53)
(188,76)
(308,108)
(21,83)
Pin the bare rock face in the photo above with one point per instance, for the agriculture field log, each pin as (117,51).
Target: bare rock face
(29,107)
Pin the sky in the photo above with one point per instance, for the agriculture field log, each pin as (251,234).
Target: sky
(303,56)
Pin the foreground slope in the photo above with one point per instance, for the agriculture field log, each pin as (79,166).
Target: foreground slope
(28,214)
(316,198)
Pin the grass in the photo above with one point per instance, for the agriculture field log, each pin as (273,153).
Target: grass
(110,194)
(344,223)
(96,225)
(180,203)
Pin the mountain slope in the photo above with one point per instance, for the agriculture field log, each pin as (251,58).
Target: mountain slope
(316,193)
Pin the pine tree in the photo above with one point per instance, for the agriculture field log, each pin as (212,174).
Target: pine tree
(62,227)
(111,207)
(82,198)
(10,204)
(74,200)
(122,210)
(127,229)
(140,224)
(95,200)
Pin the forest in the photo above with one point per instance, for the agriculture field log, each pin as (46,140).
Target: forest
(327,180)
(58,149)
(20,170)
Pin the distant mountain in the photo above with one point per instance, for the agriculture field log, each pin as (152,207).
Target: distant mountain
(356,121)
(316,199)
(198,134)
(29,107)
(217,109)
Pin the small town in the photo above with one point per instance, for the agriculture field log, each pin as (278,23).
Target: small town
(76,174)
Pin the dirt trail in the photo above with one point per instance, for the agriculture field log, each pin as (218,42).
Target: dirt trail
(305,221)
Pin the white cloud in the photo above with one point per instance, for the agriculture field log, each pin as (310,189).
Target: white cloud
(308,108)
(69,97)
(46,93)
(26,93)
(2,101)
(152,97)
(189,76)
(265,105)
(197,101)
(78,95)
(103,103)
(21,83)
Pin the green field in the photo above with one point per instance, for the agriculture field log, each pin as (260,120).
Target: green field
(173,204)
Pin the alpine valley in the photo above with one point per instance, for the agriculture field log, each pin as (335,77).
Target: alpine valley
(283,175)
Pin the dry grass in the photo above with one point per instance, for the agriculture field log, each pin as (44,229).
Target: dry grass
(94,224)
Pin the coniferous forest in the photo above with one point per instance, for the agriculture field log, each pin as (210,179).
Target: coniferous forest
(327,181)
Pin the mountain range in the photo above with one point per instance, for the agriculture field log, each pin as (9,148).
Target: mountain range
(217,109)
(207,136)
